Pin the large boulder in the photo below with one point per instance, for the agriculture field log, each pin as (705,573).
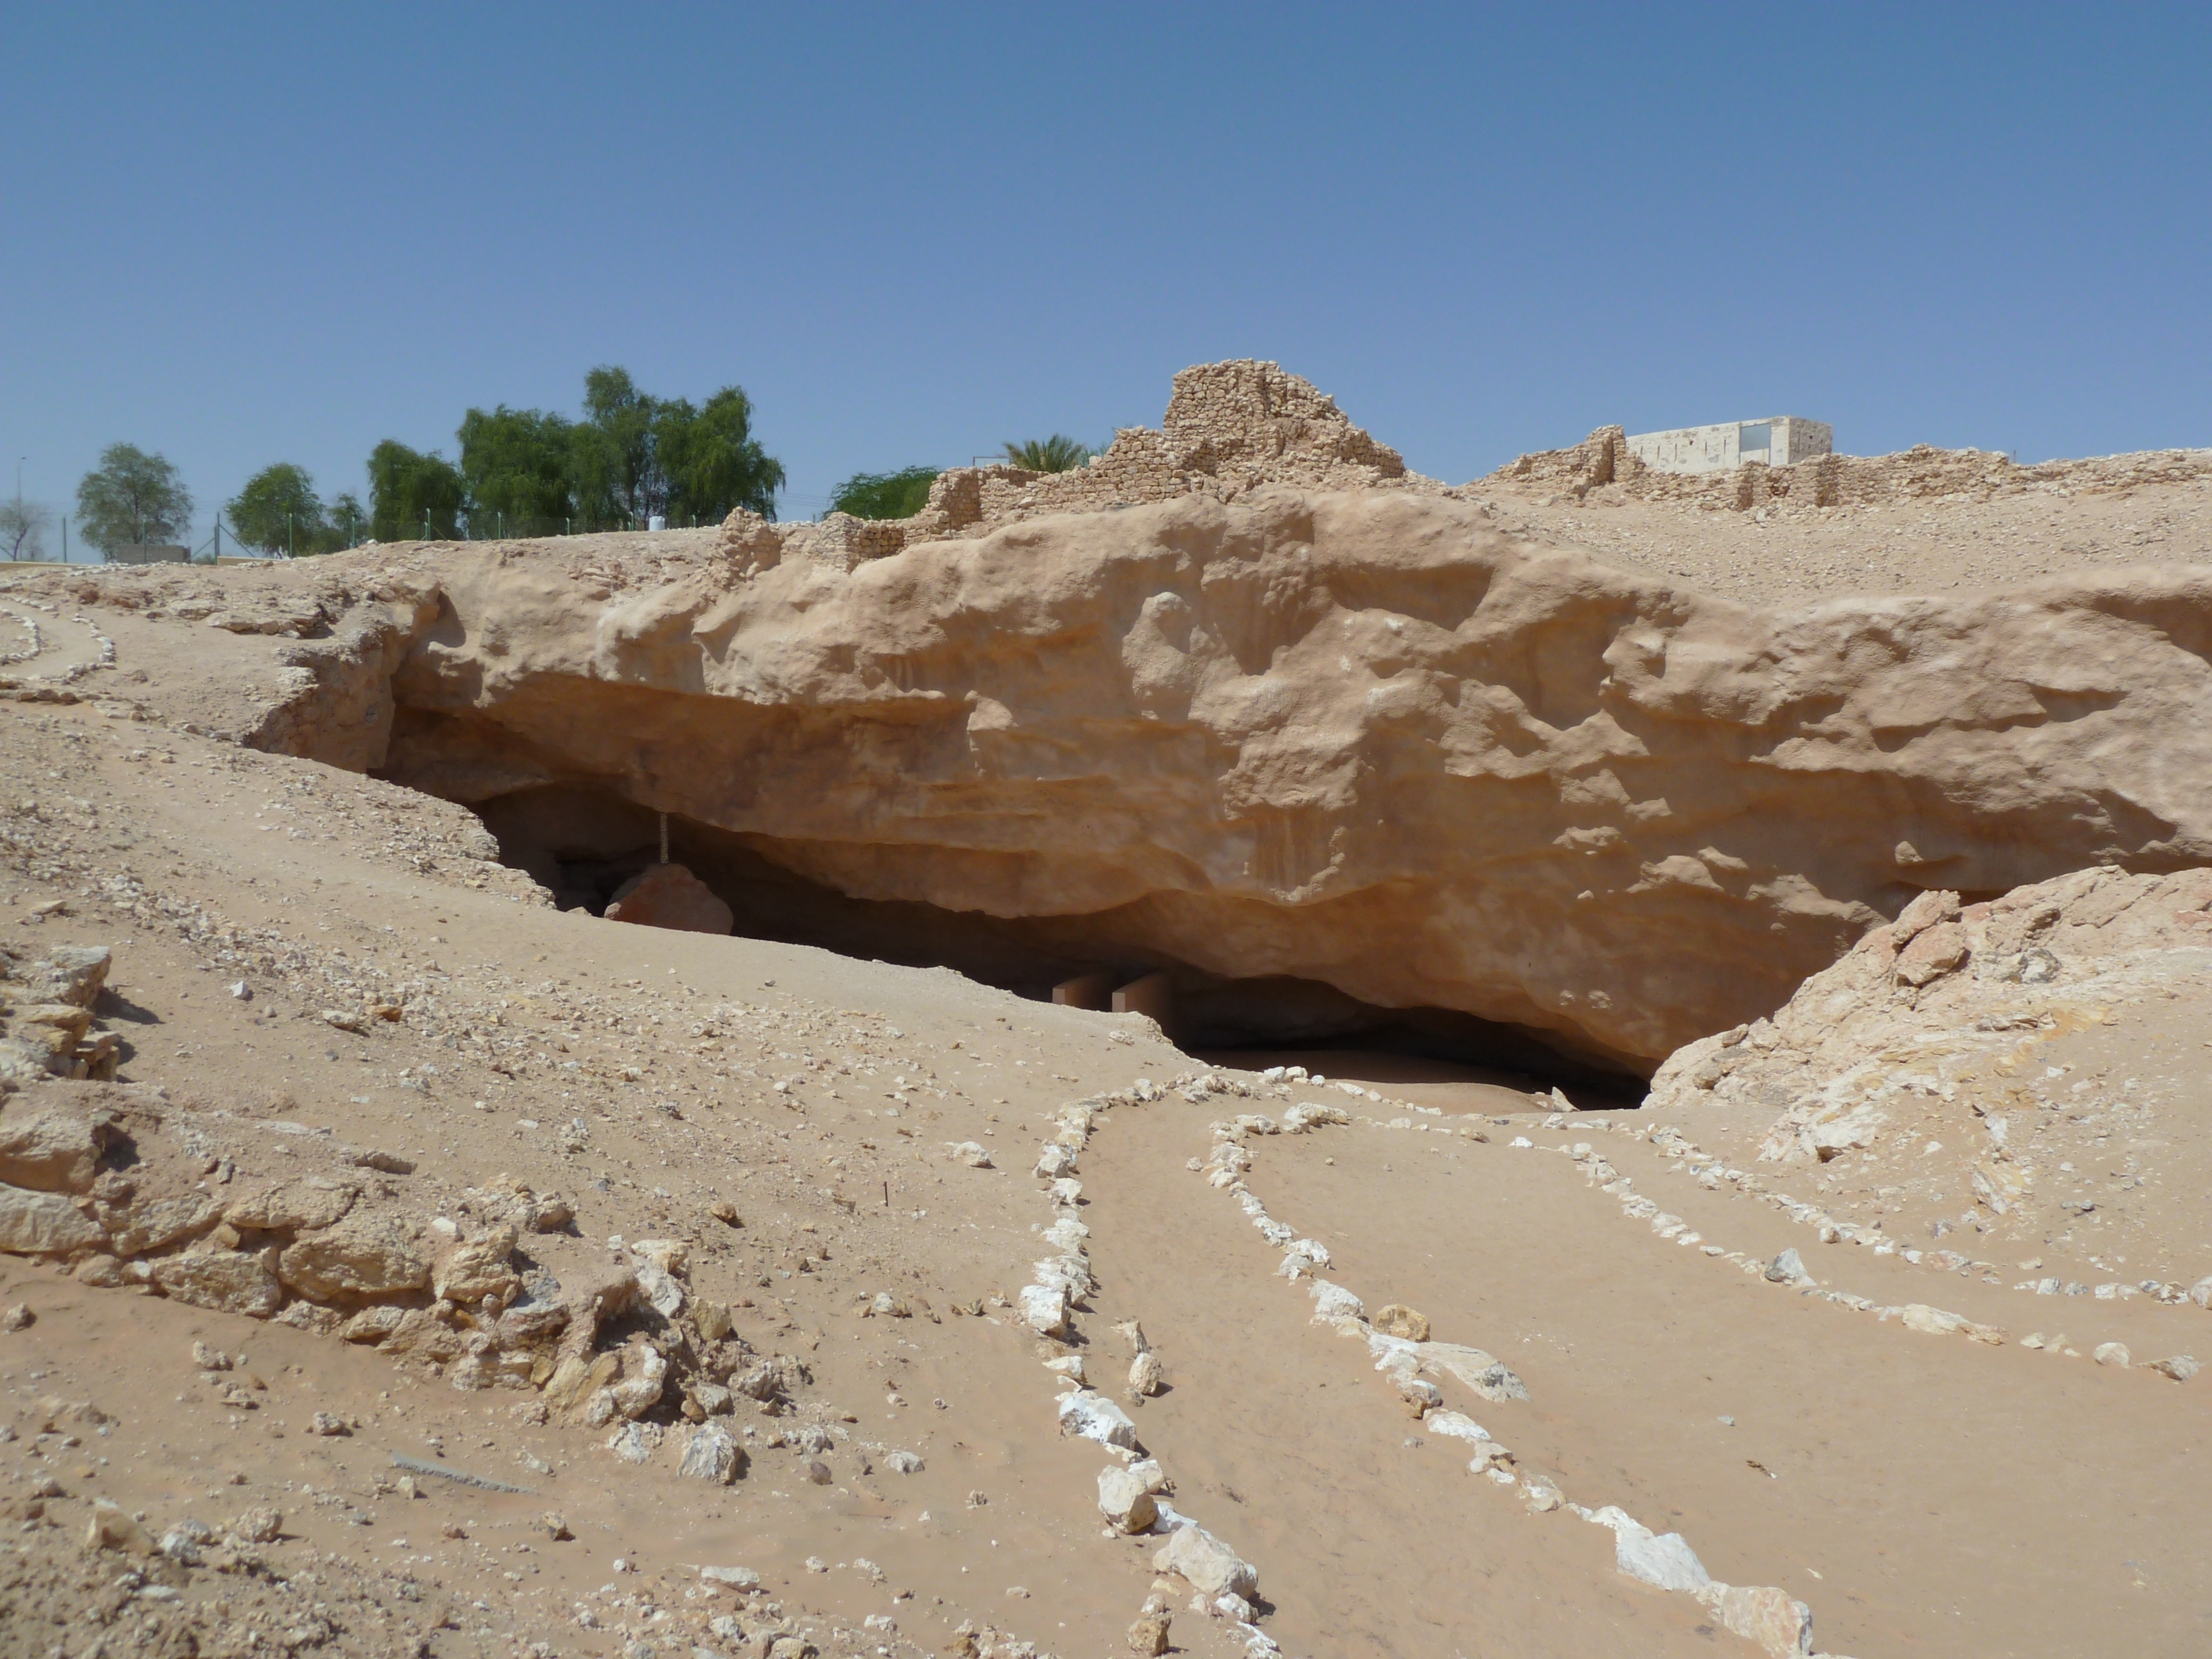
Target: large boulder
(232,1281)
(45,1224)
(480,1269)
(300,1204)
(361,1256)
(54,1151)
(71,973)
(670,895)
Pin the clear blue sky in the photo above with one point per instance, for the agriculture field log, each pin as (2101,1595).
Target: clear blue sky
(239,236)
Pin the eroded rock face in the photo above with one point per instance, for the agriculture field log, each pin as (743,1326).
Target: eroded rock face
(1360,738)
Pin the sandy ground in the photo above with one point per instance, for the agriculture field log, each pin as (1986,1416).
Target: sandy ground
(1787,558)
(1922,1493)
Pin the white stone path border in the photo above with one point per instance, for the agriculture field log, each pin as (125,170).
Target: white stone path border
(30,627)
(33,683)
(1048,1308)
(1764,1614)
(1710,1172)
(1787,1269)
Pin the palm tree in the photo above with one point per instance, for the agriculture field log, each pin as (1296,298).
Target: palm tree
(1058,453)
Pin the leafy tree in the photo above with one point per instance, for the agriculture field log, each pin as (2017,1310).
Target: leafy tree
(132,497)
(518,463)
(615,478)
(711,460)
(632,457)
(22,530)
(1058,453)
(347,520)
(898,494)
(408,490)
(279,512)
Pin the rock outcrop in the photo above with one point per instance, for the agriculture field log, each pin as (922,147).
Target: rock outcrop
(46,1017)
(107,1180)
(1945,989)
(1358,738)
(1294,714)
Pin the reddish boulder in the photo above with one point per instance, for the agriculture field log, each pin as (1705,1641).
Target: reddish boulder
(669,895)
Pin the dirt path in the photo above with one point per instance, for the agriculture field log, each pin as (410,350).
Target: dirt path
(1922,1493)
(1370,1535)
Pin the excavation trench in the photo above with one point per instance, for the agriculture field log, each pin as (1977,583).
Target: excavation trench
(582,843)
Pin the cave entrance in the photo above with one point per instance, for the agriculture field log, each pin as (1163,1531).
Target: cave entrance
(584,843)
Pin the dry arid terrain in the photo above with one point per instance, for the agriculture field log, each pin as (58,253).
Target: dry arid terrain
(1670,1118)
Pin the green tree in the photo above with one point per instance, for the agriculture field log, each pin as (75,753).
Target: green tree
(411,495)
(132,497)
(347,520)
(898,494)
(710,460)
(615,478)
(1058,453)
(279,512)
(517,463)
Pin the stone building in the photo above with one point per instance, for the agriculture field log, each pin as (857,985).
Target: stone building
(1781,440)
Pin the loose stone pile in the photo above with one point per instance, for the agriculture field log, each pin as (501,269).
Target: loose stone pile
(46,1017)
(126,1190)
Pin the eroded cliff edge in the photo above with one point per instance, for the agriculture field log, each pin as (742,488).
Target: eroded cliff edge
(1361,739)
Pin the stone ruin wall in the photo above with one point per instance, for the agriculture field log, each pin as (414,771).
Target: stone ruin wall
(1603,461)
(1230,428)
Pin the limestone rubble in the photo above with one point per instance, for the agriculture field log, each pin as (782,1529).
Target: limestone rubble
(1895,1019)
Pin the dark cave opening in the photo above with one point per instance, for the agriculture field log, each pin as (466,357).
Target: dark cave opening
(583,843)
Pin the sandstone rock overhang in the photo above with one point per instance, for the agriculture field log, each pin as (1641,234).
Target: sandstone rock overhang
(1360,738)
